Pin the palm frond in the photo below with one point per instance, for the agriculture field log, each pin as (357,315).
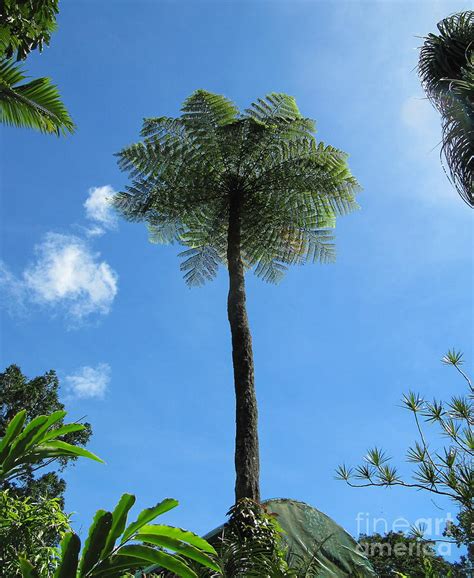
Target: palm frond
(35,104)
(446,69)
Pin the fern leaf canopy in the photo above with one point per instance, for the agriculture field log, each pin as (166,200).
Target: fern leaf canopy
(291,188)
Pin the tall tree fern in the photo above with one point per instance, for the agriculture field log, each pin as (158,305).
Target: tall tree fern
(248,190)
(446,68)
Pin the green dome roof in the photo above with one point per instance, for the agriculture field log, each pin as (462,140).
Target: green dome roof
(309,533)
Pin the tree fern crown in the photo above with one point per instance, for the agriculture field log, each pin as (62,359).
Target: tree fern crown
(290,188)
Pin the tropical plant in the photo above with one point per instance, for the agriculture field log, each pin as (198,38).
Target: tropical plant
(253,544)
(114,549)
(447,472)
(37,443)
(446,69)
(38,396)
(35,104)
(26,25)
(30,528)
(251,190)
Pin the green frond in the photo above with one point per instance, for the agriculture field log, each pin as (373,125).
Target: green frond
(292,188)
(200,264)
(165,230)
(36,104)
(446,69)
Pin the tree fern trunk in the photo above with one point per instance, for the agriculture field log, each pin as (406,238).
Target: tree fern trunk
(247,460)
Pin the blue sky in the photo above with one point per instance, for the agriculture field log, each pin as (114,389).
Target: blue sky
(146,359)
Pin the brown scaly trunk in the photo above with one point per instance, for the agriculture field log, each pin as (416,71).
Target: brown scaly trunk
(247,460)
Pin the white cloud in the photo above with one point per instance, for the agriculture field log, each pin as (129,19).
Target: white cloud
(66,276)
(99,209)
(88,382)
(66,272)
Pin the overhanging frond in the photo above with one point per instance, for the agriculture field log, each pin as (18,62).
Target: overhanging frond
(35,104)
(446,69)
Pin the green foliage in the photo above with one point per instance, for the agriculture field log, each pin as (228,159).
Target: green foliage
(34,443)
(446,68)
(38,396)
(250,545)
(447,472)
(35,104)
(26,25)
(114,548)
(29,528)
(186,170)
(396,552)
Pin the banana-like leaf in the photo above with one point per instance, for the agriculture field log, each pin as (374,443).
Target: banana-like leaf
(119,520)
(69,449)
(147,515)
(150,555)
(13,428)
(176,534)
(27,569)
(95,542)
(180,548)
(53,418)
(63,430)
(118,566)
(70,548)
(23,445)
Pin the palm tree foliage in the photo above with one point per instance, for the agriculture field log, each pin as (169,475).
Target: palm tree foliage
(187,169)
(251,190)
(446,68)
(35,104)
(26,25)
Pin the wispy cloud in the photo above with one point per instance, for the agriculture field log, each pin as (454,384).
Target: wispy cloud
(99,210)
(89,382)
(66,276)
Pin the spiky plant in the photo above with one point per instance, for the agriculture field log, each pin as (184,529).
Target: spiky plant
(35,104)
(251,190)
(446,68)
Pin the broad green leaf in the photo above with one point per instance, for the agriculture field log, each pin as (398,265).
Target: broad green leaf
(180,548)
(69,449)
(119,520)
(95,542)
(176,534)
(147,555)
(12,430)
(63,430)
(51,420)
(27,569)
(118,566)
(22,440)
(147,515)
(70,548)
